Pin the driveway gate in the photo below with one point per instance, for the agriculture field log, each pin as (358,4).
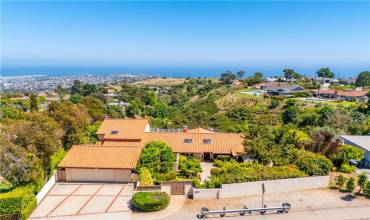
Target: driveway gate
(177,187)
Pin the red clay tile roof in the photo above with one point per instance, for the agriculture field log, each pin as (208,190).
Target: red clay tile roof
(352,93)
(349,93)
(220,143)
(95,156)
(327,91)
(119,129)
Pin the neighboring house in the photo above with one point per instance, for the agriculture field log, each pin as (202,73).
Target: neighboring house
(324,80)
(268,85)
(237,83)
(362,142)
(114,157)
(349,95)
(284,90)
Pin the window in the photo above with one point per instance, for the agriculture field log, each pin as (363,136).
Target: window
(114,132)
(188,141)
(207,141)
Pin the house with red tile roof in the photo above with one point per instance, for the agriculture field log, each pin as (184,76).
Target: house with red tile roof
(349,95)
(114,157)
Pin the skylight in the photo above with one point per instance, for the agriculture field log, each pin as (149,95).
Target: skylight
(114,132)
(188,141)
(207,141)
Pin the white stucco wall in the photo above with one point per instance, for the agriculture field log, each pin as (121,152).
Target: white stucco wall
(205,193)
(255,188)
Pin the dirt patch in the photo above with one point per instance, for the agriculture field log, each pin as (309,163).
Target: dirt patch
(160,82)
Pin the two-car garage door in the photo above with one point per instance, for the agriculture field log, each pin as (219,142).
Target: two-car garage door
(97,175)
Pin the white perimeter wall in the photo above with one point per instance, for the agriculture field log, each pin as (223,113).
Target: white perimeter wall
(46,188)
(255,188)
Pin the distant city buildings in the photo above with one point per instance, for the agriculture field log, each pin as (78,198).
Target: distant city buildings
(40,83)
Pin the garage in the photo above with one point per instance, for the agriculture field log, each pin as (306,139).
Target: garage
(98,175)
(92,163)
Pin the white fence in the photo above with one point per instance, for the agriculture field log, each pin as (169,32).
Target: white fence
(254,188)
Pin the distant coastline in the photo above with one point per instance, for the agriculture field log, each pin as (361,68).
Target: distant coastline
(21,76)
(165,71)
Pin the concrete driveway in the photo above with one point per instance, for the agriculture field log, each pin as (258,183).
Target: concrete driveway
(85,201)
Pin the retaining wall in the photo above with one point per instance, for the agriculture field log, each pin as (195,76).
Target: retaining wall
(255,188)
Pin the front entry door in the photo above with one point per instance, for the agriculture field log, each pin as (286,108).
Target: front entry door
(207,156)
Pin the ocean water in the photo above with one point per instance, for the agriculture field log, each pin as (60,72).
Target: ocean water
(170,71)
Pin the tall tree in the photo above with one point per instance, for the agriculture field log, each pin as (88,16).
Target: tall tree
(94,106)
(60,91)
(18,166)
(227,77)
(77,87)
(73,118)
(39,134)
(363,79)
(240,74)
(288,73)
(255,79)
(325,72)
(34,103)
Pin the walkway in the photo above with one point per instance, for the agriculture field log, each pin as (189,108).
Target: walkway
(206,170)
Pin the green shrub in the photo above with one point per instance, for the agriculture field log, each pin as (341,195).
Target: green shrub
(20,200)
(151,201)
(5,187)
(145,177)
(347,168)
(362,180)
(350,186)
(346,153)
(55,159)
(216,171)
(314,164)
(166,176)
(223,157)
(218,163)
(301,94)
(189,167)
(367,188)
(340,181)
(197,184)
(234,172)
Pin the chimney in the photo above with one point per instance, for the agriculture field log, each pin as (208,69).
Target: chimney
(185,129)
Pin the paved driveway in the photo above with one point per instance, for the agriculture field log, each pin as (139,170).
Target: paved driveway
(83,200)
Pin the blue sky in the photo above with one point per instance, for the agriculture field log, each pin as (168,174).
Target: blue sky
(263,34)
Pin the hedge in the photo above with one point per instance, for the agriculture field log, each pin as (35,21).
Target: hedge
(20,200)
(151,201)
(234,172)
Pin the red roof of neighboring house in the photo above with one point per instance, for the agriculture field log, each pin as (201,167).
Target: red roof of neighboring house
(327,91)
(349,93)
(352,93)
